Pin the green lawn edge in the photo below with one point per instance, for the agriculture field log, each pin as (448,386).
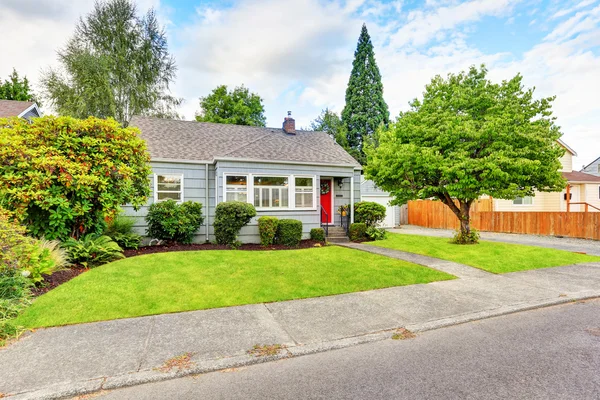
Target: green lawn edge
(197,280)
(494,257)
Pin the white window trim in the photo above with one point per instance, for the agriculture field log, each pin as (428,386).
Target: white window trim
(181,191)
(291,190)
(524,205)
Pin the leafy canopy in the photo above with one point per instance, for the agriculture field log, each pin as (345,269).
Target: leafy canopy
(116,65)
(466,138)
(64,176)
(236,107)
(365,109)
(329,122)
(15,88)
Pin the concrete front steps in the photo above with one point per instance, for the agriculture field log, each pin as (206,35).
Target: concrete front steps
(337,234)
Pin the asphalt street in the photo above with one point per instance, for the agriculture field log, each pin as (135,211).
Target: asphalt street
(550,353)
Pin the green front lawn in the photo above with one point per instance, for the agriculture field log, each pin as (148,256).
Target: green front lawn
(183,281)
(490,256)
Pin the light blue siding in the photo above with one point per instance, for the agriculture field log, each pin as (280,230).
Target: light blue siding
(195,188)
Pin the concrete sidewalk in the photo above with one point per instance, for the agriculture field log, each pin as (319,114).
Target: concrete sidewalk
(65,361)
(561,243)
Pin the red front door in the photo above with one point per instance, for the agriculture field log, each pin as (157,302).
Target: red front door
(326,201)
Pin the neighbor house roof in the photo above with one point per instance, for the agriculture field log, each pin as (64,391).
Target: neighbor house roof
(591,163)
(566,146)
(580,177)
(13,108)
(204,141)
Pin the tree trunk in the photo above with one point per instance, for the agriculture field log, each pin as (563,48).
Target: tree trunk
(465,217)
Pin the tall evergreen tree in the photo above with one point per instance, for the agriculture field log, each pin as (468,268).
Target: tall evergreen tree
(365,108)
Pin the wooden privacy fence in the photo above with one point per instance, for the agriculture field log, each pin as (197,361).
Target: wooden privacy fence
(434,214)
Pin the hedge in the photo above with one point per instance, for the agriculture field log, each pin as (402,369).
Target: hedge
(230,217)
(267,228)
(358,231)
(289,232)
(317,234)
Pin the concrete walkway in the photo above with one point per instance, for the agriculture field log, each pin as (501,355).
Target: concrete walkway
(64,361)
(562,243)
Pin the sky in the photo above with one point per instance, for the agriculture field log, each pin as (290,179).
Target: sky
(297,54)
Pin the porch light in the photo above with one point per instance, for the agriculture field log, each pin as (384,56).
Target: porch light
(340,182)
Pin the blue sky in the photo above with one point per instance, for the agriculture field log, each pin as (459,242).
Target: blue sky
(297,54)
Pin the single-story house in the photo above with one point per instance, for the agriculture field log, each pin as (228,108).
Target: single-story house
(593,168)
(284,172)
(22,109)
(583,188)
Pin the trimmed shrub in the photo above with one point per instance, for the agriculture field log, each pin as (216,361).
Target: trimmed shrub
(230,217)
(93,250)
(168,220)
(375,233)
(358,231)
(120,230)
(317,234)
(289,232)
(267,228)
(369,212)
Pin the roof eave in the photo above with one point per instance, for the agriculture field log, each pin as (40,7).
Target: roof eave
(566,146)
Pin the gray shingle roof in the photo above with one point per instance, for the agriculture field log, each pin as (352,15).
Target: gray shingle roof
(205,141)
(13,108)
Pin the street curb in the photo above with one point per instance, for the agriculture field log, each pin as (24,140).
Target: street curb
(65,390)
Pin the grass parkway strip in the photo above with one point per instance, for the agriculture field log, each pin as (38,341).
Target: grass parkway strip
(196,280)
(493,257)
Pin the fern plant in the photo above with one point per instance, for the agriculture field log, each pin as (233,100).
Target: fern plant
(93,250)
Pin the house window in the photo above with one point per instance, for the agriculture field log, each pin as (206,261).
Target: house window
(523,201)
(271,191)
(168,187)
(236,188)
(304,192)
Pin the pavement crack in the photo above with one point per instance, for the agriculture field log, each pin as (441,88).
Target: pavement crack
(146,343)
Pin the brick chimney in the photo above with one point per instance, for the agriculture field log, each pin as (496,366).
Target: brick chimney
(289,124)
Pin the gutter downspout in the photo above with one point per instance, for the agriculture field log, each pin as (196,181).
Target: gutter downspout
(352,198)
(207,201)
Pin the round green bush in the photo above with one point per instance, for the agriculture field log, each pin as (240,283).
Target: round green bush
(317,234)
(289,232)
(168,220)
(267,228)
(369,212)
(358,231)
(230,217)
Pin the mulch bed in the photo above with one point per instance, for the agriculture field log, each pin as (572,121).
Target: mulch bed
(169,247)
(57,278)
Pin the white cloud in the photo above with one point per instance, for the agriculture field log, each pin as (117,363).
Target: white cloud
(423,26)
(270,46)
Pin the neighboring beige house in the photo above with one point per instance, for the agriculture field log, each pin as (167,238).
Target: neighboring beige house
(583,188)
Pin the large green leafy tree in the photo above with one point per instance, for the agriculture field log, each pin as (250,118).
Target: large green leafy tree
(15,88)
(116,65)
(365,108)
(467,138)
(63,176)
(329,122)
(238,107)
